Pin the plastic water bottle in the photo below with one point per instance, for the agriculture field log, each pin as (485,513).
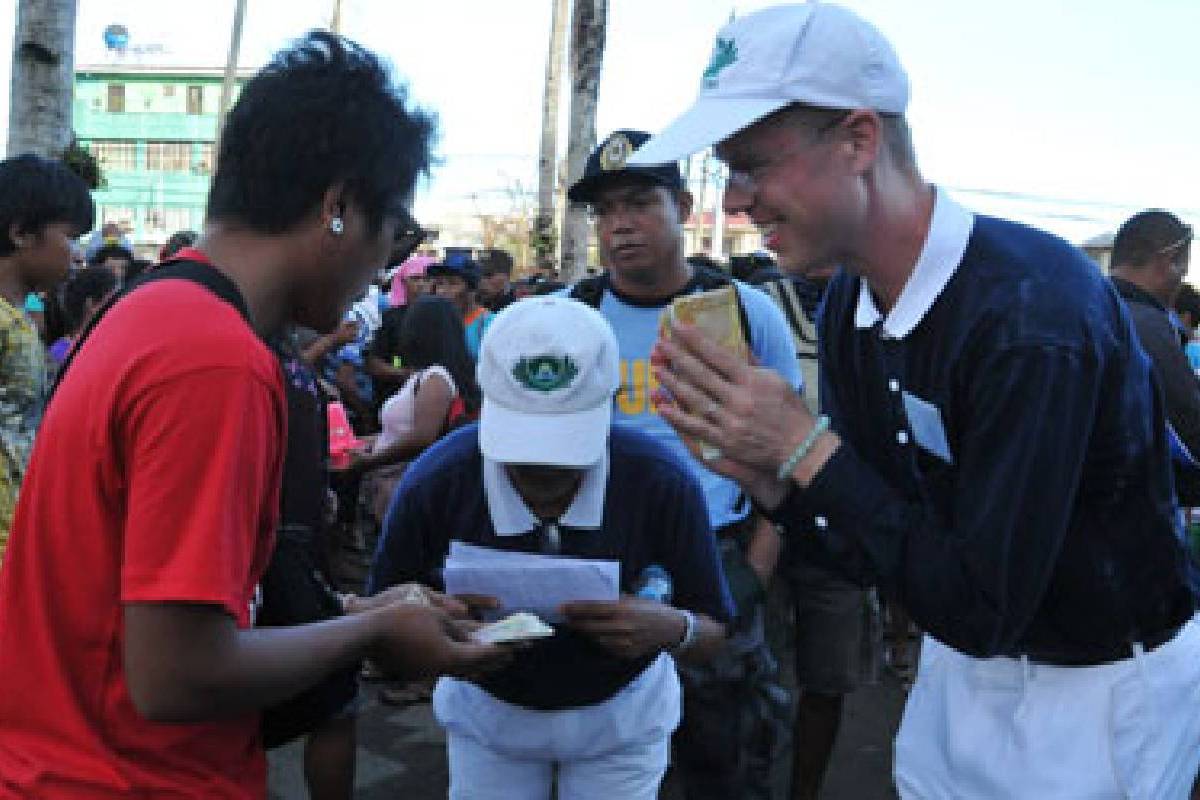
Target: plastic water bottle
(655,584)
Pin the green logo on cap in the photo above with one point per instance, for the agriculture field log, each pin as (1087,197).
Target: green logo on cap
(545,373)
(724,54)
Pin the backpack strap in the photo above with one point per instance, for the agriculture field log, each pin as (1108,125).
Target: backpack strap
(195,271)
(800,319)
(590,291)
(804,330)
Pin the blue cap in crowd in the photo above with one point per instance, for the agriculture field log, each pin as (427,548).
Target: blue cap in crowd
(457,264)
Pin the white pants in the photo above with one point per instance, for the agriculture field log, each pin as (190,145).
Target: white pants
(1007,728)
(477,772)
(615,750)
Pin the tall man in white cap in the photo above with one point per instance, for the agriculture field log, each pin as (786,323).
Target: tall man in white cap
(993,449)
(591,709)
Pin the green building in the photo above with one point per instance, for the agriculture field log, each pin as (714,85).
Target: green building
(152,128)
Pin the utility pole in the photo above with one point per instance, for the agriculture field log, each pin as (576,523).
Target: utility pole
(544,239)
(717,250)
(335,23)
(589,24)
(702,201)
(231,65)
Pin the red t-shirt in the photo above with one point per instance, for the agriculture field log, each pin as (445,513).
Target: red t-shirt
(155,477)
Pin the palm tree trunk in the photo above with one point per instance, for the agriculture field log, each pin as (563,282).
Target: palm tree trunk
(588,27)
(43,76)
(544,239)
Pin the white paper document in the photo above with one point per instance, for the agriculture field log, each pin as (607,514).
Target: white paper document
(529,581)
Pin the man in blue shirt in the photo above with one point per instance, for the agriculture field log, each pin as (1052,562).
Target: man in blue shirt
(995,452)
(639,214)
(591,709)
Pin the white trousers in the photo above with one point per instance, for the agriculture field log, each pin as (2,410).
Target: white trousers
(979,729)
(614,750)
(477,772)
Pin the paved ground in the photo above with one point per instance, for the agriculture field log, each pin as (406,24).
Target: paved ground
(401,753)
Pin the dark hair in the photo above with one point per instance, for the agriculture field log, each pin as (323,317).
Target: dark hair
(432,335)
(495,260)
(93,283)
(177,241)
(111,251)
(1188,302)
(321,112)
(36,192)
(1148,234)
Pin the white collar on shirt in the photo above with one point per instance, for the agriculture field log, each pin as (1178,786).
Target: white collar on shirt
(511,517)
(949,230)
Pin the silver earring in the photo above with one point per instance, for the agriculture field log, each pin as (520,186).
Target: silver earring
(337,226)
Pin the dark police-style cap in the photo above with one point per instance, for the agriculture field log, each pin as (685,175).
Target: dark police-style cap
(609,161)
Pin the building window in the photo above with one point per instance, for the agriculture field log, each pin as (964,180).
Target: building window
(204,159)
(154,219)
(122,216)
(116,156)
(116,98)
(168,219)
(169,156)
(177,219)
(168,90)
(195,99)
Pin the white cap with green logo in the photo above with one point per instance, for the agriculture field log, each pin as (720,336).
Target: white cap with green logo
(818,54)
(548,369)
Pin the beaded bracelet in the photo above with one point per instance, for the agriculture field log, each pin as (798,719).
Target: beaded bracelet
(689,633)
(785,469)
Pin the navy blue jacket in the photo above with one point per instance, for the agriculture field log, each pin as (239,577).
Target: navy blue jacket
(654,513)
(1053,532)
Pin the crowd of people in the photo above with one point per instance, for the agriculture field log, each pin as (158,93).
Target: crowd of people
(232,477)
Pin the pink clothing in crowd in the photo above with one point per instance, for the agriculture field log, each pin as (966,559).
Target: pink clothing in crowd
(415,265)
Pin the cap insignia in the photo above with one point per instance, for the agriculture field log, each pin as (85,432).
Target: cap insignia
(724,54)
(545,373)
(615,153)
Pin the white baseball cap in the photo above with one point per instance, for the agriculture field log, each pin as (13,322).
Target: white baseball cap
(818,54)
(548,368)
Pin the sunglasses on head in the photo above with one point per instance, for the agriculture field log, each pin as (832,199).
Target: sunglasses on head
(1183,241)
(409,235)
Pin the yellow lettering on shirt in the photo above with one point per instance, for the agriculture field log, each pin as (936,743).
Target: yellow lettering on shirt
(638,384)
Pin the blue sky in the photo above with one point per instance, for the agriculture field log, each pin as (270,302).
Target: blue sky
(1088,101)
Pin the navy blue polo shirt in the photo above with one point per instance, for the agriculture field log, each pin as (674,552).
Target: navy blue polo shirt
(1004,468)
(654,513)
